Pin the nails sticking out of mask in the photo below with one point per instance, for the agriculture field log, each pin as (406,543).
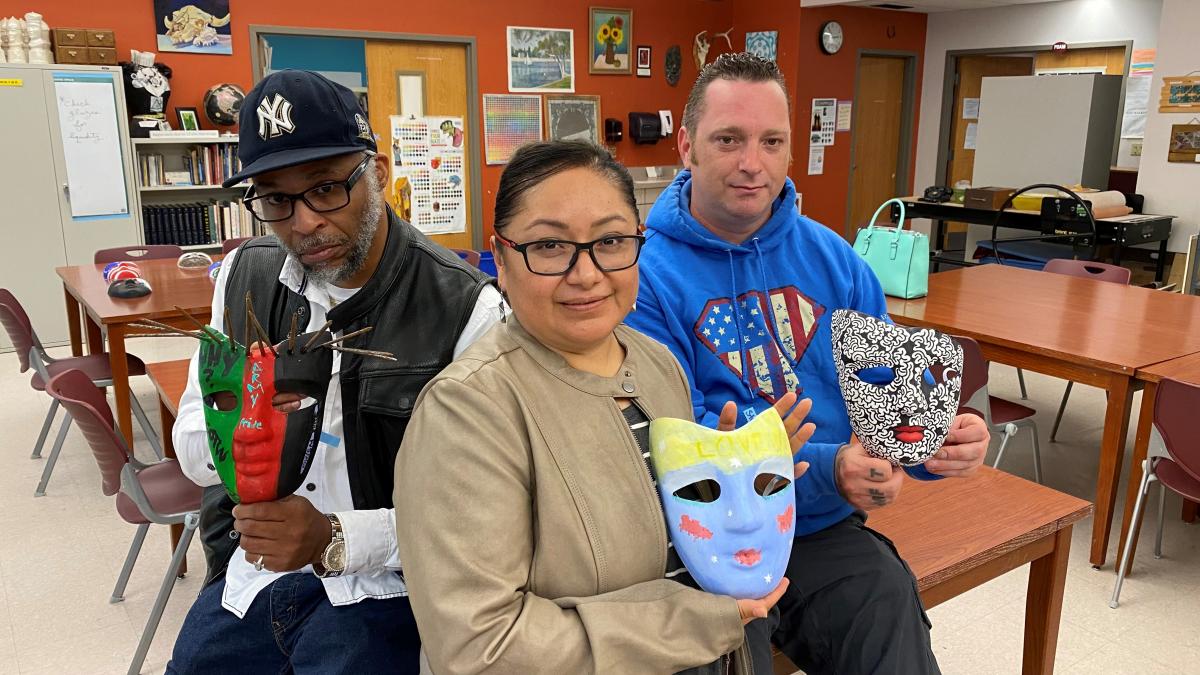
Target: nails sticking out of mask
(260,453)
(901,385)
(728,499)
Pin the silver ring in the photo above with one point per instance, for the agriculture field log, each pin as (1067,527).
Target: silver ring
(258,566)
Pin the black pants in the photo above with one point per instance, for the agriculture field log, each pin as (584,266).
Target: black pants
(852,606)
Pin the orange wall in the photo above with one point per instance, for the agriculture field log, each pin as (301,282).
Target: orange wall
(782,16)
(824,76)
(657,23)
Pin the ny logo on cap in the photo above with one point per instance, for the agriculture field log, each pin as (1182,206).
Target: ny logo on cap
(274,117)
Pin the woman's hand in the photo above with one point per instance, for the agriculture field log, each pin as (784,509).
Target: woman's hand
(758,609)
(793,415)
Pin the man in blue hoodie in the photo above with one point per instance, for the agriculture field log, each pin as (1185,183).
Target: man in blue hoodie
(741,288)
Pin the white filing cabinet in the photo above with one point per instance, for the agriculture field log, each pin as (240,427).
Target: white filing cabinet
(38,225)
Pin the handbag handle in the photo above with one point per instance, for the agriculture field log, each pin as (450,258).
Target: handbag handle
(899,224)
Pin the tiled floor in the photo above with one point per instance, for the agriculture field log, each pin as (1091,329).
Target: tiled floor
(59,557)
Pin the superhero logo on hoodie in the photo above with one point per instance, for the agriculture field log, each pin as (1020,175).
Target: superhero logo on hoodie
(764,340)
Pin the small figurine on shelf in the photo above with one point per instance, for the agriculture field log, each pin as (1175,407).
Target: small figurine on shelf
(147,90)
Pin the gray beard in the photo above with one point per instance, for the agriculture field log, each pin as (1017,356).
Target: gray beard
(357,257)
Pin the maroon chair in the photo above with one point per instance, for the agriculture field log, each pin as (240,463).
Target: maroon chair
(155,493)
(467,254)
(136,253)
(1172,459)
(31,354)
(1001,415)
(1084,269)
(230,244)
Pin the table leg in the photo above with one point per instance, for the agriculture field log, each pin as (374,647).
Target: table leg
(73,326)
(1141,445)
(95,338)
(167,423)
(1043,605)
(120,373)
(1160,266)
(1112,451)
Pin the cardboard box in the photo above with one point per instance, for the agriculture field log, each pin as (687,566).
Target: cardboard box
(987,198)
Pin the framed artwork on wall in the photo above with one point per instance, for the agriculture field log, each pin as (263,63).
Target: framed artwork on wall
(643,61)
(193,26)
(611,34)
(1180,94)
(573,118)
(540,59)
(1185,143)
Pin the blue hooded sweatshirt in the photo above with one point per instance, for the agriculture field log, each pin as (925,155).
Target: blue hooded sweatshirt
(751,322)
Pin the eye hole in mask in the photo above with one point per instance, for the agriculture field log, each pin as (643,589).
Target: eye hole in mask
(880,376)
(221,400)
(767,484)
(703,491)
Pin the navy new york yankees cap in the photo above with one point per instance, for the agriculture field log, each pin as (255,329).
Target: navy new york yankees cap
(295,116)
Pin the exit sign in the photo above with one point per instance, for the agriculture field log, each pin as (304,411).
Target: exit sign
(1059,47)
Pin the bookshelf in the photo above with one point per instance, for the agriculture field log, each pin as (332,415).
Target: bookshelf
(181,198)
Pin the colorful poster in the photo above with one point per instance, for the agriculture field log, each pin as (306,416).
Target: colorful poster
(508,123)
(824,121)
(193,26)
(428,180)
(612,33)
(762,43)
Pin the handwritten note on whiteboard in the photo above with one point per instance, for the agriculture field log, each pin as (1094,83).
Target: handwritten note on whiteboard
(91,138)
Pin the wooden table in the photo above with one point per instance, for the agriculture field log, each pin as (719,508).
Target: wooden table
(170,379)
(957,534)
(84,288)
(1078,329)
(1185,369)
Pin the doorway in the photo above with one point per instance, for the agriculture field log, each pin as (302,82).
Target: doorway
(881,143)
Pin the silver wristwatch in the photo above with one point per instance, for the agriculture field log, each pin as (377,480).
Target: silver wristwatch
(333,560)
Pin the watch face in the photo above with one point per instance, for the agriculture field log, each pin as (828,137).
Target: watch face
(831,37)
(335,557)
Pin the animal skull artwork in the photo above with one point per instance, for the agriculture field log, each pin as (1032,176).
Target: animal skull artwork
(728,500)
(260,453)
(700,47)
(191,25)
(901,385)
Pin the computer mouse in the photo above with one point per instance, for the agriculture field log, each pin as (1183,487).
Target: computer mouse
(129,288)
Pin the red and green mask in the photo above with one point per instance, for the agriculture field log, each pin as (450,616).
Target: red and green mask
(260,453)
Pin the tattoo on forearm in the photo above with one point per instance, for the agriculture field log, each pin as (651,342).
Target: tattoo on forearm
(877,497)
(875,473)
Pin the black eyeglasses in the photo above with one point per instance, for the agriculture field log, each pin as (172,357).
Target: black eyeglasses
(556,257)
(323,198)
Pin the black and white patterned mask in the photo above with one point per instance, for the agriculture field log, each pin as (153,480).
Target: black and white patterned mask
(901,385)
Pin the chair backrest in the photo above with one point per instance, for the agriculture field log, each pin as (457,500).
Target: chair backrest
(16,323)
(136,253)
(468,255)
(1175,407)
(88,407)
(1088,269)
(230,244)
(974,396)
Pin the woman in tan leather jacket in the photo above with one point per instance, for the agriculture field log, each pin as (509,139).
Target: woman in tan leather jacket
(530,529)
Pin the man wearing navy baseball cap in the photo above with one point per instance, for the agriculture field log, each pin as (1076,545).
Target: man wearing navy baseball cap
(311,583)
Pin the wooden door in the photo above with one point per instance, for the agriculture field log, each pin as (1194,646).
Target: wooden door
(878,113)
(1112,59)
(444,70)
(971,71)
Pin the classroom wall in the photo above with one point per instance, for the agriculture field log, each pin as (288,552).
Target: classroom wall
(1071,21)
(825,76)
(782,16)
(655,23)
(1170,187)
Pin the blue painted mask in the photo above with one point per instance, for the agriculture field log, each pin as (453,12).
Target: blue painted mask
(730,508)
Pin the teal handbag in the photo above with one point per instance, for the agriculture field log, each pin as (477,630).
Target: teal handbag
(899,257)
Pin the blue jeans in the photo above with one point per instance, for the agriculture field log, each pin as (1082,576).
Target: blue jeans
(292,628)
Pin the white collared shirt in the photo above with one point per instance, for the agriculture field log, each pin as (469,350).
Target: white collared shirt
(372,556)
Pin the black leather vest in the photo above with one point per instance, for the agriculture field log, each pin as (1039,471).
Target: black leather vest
(418,300)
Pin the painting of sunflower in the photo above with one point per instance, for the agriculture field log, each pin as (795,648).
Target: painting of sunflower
(612,33)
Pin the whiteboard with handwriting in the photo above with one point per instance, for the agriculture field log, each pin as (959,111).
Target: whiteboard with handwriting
(87,117)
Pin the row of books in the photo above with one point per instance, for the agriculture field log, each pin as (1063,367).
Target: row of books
(202,165)
(198,223)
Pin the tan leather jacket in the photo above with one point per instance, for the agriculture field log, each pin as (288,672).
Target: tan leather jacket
(531,537)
